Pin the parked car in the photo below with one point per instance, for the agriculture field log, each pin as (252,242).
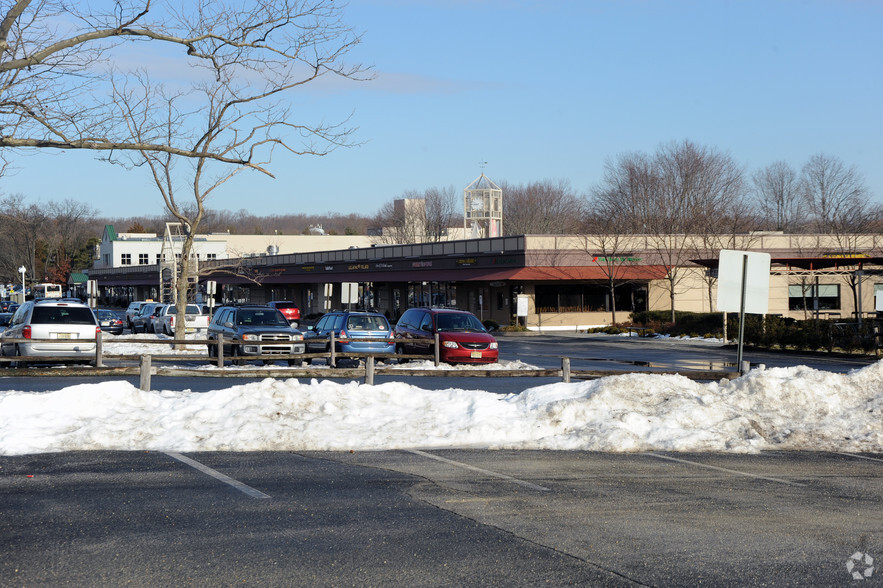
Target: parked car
(132,312)
(289,309)
(241,324)
(72,326)
(109,322)
(156,322)
(462,337)
(350,325)
(143,321)
(4,305)
(5,317)
(195,320)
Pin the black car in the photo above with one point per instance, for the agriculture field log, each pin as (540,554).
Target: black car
(109,321)
(241,325)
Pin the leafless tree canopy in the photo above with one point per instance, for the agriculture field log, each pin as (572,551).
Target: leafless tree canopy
(682,189)
(417,217)
(541,208)
(778,193)
(65,82)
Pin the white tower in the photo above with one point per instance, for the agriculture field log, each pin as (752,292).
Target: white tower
(483,209)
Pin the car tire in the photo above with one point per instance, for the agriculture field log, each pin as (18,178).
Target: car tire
(296,362)
(237,356)
(400,350)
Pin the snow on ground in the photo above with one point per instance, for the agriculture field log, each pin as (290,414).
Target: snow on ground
(780,408)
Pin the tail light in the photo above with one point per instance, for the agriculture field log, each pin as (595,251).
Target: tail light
(342,335)
(26,332)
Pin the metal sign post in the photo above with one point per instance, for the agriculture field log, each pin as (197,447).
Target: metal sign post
(744,287)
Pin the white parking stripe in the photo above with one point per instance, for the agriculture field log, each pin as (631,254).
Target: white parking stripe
(244,488)
(480,470)
(711,467)
(857,456)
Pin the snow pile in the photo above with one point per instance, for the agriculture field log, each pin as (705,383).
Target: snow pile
(781,408)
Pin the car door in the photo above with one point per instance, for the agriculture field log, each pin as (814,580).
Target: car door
(314,337)
(424,337)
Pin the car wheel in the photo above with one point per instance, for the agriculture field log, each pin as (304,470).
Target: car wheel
(400,350)
(212,351)
(237,356)
(296,362)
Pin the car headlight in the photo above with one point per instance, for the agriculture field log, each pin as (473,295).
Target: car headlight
(297,337)
(250,338)
(450,344)
(493,345)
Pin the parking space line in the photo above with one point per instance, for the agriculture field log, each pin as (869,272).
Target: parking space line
(729,471)
(857,456)
(483,471)
(244,488)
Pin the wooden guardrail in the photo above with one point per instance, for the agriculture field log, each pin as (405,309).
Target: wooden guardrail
(145,367)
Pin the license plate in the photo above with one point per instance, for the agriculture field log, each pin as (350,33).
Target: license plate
(64,335)
(105,323)
(476,355)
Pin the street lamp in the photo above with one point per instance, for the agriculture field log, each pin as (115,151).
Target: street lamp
(22,270)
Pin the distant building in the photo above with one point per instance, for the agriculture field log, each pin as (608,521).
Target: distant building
(145,249)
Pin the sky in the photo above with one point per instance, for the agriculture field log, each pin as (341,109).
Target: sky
(794,408)
(529,90)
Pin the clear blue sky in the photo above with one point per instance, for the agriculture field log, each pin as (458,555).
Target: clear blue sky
(549,89)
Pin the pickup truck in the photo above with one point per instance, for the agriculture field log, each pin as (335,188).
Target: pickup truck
(195,321)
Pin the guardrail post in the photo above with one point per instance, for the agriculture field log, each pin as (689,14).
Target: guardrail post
(565,370)
(144,384)
(369,370)
(437,352)
(332,359)
(220,342)
(98,359)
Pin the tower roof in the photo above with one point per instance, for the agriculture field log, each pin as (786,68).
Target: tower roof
(482,182)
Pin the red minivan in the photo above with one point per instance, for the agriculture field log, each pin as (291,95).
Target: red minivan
(289,309)
(462,337)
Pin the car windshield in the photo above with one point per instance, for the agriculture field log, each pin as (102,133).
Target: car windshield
(457,322)
(65,315)
(367,323)
(269,317)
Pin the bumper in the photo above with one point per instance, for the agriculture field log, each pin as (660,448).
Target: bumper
(79,350)
(469,356)
(272,349)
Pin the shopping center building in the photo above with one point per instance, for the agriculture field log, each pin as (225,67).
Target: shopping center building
(564,282)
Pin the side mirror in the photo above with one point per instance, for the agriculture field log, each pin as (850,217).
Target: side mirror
(228,325)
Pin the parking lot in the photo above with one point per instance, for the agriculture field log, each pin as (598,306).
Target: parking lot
(435,518)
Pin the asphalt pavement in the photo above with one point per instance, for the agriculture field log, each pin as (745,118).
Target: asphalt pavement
(440,518)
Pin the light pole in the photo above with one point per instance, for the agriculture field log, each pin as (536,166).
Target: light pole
(22,270)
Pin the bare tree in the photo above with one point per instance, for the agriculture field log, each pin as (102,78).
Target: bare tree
(64,86)
(56,59)
(21,228)
(668,197)
(417,217)
(834,193)
(440,210)
(778,195)
(68,230)
(541,208)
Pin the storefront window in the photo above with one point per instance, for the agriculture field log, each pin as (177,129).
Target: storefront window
(814,297)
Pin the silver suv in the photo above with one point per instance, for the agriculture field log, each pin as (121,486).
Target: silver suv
(70,326)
